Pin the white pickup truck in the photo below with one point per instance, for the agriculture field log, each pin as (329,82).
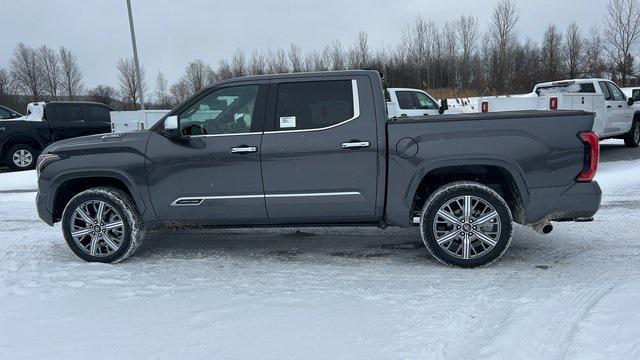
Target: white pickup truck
(616,117)
(414,102)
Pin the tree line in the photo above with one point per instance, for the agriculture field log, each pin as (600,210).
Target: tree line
(454,59)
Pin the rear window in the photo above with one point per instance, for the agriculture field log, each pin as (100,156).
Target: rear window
(312,105)
(587,88)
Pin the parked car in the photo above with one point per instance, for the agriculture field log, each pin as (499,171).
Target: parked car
(22,138)
(616,117)
(414,102)
(316,149)
(7,113)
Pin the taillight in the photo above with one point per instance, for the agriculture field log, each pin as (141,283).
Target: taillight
(591,156)
(485,106)
(553,103)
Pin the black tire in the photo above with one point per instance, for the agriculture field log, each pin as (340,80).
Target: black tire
(133,225)
(632,139)
(445,195)
(18,163)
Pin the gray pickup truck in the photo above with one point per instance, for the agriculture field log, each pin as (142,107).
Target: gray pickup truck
(317,149)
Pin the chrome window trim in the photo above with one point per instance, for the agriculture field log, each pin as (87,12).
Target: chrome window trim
(356,114)
(258,196)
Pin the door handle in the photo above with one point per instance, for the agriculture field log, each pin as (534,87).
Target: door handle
(244,149)
(608,106)
(620,106)
(355,145)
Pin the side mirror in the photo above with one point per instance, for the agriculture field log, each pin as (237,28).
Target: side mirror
(172,128)
(444,106)
(630,101)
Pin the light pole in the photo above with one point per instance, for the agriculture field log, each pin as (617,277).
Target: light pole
(135,54)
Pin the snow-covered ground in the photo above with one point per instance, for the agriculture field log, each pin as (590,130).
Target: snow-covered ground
(353,293)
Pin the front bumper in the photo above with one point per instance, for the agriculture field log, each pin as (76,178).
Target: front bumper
(43,212)
(579,200)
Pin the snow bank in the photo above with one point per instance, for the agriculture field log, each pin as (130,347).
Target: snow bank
(20,180)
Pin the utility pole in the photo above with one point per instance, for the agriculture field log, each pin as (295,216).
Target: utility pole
(135,54)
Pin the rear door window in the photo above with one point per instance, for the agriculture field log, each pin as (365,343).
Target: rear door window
(69,112)
(314,104)
(99,114)
(406,100)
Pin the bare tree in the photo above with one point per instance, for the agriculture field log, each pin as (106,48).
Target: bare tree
(361,50)
(26,70)
(416,44)
(295,58)
(71,81)
(163,99)
(196,75)
(277,62)
(103,94)
(51,70)
(594,65)
(129,81)
(238,64)
(7,85)
(552,54)
(468,34)
(622,32)
(179,91)
(257,63)
(502,30)
(337,56)
(573,45)
(224,70)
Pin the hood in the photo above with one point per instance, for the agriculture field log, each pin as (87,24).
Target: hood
(100,142)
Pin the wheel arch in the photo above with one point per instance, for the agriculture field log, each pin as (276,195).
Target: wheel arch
(68,185)
(504,177)
(21,138)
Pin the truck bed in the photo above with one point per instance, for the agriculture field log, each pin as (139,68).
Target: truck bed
(540,150)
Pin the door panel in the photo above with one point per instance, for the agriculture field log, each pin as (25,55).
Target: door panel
(69,121)
(624,118)
(213,175)
(321,174)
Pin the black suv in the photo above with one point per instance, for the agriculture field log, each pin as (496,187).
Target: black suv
(22,140)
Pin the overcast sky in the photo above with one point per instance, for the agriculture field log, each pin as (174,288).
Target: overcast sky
(171,33)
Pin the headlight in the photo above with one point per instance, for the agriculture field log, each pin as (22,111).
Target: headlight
(44,160)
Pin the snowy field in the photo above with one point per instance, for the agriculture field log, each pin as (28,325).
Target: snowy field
(324,293)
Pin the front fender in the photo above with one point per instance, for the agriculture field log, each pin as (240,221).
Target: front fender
(116,174)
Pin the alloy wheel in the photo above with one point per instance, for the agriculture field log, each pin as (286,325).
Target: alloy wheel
(22,158)
(467,227)
(97,228)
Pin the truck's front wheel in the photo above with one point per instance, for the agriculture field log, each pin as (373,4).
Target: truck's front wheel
(633,137)
(102,225)
(21,157)
(466,224)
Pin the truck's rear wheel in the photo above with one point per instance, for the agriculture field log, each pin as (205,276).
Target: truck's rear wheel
(632,139)
(21,157)
(102,225)
(466,224)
